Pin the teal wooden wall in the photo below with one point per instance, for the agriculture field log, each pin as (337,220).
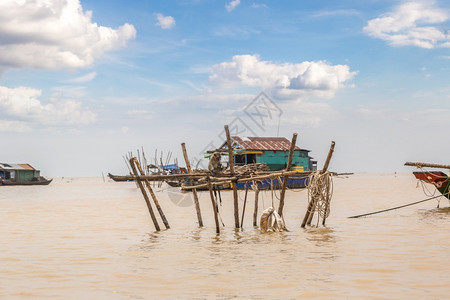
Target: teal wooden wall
(277,160)
(24,175)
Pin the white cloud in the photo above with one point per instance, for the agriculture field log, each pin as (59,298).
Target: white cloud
(412,24)
(14,126)
(165,22)
(85,78)
(23,103)
(45,34)
(309,78)
(232,5)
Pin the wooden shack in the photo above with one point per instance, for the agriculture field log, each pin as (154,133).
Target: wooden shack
(273,151)
(20,174)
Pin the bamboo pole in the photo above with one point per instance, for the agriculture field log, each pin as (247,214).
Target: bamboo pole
(191,182)
(245,203)
(309,211)
(144,193)
(231,162)
(214,205)
(155,200)
(285,178)
(233,179)
(255,212)
(426,165)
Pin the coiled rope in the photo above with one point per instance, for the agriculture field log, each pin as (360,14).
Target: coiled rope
(320,191)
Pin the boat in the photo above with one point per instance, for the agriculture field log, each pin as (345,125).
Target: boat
(437,178)
(21,174)
(119,177)
(35,181)
(293,182)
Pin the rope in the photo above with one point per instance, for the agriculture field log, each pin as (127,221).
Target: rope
(320,191)
(401,206)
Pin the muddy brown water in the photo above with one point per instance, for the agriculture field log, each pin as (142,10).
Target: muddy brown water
(83,238)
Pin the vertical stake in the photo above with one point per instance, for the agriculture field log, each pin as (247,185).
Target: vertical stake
(285,178)
(245,203)
(255,212)
(191,182)
(155,200)
(144,193)
(235,194)
(214,205)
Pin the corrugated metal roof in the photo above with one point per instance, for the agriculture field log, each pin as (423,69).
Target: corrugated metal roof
(264,143)
(26,167)
(8,166)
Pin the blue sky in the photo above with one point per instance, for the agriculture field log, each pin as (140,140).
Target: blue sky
(84,82)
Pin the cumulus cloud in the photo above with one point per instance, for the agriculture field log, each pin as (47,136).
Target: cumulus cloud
(317,77)
(232,5)
(165,22)
(23,104)
(412,24)
(45,34)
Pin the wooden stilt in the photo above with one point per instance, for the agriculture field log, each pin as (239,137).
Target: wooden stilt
(245,203)
(191,182)
(214,205)
(285,178)
(144,193)
(155,200)
(231,162)
(310,210)
(255,212)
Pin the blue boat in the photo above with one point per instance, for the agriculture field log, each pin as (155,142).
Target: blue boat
(294,182)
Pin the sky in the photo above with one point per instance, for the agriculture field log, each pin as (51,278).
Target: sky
(83,83)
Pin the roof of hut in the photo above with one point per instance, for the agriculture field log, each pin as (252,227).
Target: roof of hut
(8,166)
(264,143)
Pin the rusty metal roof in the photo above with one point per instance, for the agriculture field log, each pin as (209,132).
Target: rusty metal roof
(264,143)
(9,166)
(26,167)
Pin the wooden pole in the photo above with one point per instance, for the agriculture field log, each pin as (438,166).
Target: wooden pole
(309,211)
(144,193)
(155,200)
(285,178)
(245,203)
(255,212)
(426,165)
(214,205)
(231,162)
(191,182)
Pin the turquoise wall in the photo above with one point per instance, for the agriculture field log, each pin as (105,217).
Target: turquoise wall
(277,160)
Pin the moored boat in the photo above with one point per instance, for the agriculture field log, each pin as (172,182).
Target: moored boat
(437,178)
(21,174)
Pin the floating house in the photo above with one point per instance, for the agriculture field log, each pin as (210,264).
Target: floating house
(20,174)
(273,151)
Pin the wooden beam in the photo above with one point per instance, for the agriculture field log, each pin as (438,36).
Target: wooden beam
(191,182)
(231,162)
(285,178)
(144,193)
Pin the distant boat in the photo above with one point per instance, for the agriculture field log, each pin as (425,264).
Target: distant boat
(119,177)
(21,174)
